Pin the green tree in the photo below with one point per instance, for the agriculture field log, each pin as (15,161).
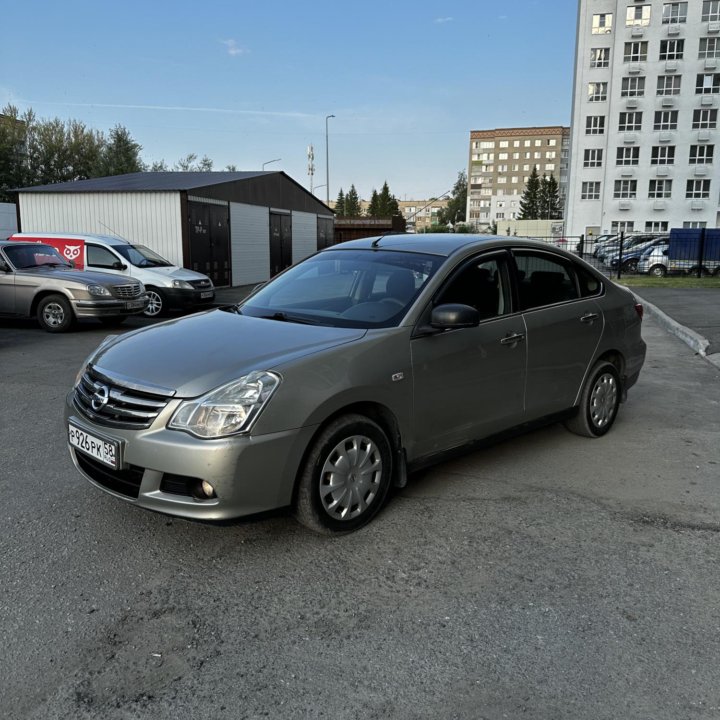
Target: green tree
(14,166)
(455,210)
(529,207)
(190,163)
(492,228)
(383,204)
(374,204)
(549,199)
(340,204)
(352,203)
(121,154)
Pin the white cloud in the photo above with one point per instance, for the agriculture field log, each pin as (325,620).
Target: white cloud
(442,20)
(234,49)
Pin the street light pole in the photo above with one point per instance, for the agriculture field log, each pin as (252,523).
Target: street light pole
(327,162)
(270,161)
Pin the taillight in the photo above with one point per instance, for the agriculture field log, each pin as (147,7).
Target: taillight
(639,310)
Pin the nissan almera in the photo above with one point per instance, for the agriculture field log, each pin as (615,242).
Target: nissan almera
(335,380)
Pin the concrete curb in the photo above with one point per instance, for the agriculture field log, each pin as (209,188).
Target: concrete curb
(691,338)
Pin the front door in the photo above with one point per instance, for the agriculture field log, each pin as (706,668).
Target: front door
(280,242)
(470,383)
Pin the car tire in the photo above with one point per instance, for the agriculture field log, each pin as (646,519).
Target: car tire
(630,266)
(599,402)
(157,304)
(55,314)
(658,271)
(352,454)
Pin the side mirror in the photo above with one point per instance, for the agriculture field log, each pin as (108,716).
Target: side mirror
(453,316)
(665,252)
(4,267)
(117,265)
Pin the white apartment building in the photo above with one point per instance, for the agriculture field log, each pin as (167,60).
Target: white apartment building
(644,138)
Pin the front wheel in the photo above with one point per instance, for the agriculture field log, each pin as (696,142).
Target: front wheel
(599,402)
(55,314)
(630,265)
(156,303)
(346,476)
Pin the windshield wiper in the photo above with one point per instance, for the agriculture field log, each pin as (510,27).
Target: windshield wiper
(284,317)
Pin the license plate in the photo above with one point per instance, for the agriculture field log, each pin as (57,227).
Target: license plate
(106,451)
(206,294)
(134,304)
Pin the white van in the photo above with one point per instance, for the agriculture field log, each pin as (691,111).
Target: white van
(168,286)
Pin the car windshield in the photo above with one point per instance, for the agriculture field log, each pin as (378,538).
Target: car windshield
(345,288)
(35,255)
(141,256)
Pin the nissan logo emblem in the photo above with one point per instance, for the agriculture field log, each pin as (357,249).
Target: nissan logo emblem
(100,397)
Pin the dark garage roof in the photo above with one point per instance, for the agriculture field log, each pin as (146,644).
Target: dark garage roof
(149,182)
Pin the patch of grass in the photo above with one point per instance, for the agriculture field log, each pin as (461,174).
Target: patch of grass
(671,281)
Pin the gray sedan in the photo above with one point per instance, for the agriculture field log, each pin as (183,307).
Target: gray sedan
(349,370)
(36,281)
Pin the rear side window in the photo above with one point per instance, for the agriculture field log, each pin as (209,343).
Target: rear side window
(589,284)
(543,280)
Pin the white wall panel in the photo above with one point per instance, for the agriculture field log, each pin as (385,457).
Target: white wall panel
(151,219)
(304,235)
(8,220)
(249,243)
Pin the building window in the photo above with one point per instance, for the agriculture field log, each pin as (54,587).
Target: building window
(701,154)
(625,189)
(668,85)
(516,143)
(619,226)
(635,51)
(674,12)
(550,154)
(704,119)
(710,11)
(628,156)
(502,156)
(695,224)
(599,57)
(552,142)
(503,144)
(662,155)
(630,121)
(590,191)
(707,84)
(637,15)
(487,145)
(655,226)
(632,87)
(538,143)
(660,189)
(672,49)
(602,23)
(550,167)
(709,48)
(696,189)
(595,125)
(665,120)
(592,158)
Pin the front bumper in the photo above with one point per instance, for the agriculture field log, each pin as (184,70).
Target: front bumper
(181,299)
(250,474)
(109,308)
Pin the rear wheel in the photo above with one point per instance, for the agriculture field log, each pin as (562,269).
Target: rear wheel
(658,271)
(599,402)
(630,265)
(346,476)
(55,314)
(704,272)
(156,305)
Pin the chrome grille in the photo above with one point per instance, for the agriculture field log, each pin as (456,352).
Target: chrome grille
(201,284)
(126,407)
(131,290)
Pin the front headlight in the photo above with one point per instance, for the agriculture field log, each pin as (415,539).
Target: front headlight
(182,284)
(229,409)
(98,290)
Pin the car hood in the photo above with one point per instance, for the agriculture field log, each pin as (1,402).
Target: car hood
(197,353)
(175,273)
(84,277)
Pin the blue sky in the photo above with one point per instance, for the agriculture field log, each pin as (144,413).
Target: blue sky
(245,82)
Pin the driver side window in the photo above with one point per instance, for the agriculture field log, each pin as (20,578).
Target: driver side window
(100,257)
(482,284)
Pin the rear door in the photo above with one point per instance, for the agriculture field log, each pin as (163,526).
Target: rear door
(564,326)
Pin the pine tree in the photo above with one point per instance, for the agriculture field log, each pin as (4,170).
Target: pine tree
(373,207)
(530,197)
(340,204)
(552,192)
(352,203)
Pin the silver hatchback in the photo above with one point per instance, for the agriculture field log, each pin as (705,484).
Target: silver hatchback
(349,370)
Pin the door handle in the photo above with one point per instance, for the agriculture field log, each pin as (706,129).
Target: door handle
(589,318)
(512,339)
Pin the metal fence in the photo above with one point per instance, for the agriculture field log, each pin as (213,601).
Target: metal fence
(681,252)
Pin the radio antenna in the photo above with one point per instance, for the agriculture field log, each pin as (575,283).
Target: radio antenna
(112,231)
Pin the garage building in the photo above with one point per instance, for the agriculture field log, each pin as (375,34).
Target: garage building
(237,227)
